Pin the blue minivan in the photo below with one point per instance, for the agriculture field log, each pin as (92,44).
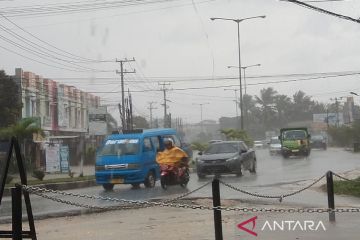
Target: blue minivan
(130,157)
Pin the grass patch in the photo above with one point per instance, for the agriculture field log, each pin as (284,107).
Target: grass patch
(347,187)
(55,180)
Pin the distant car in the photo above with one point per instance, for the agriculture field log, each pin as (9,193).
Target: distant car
(258,144)
(275,146)
(318,141)
(295,142)
(226,157)
(214,141)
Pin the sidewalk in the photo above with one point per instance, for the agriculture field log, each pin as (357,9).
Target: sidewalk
(157,223)
(76,170)
(59,185)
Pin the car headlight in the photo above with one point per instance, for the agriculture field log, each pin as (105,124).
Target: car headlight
(99,167)
(133,166)
(232,159)
(199,160)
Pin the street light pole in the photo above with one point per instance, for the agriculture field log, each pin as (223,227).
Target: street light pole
(355,112)
(236,104)
(201,114)
(240,85)
(238,21)
(244,68)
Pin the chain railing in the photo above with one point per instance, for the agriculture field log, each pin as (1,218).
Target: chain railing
(280,197)
(136,204)
(187,193)
(346,179)
(133,204)
(39,190)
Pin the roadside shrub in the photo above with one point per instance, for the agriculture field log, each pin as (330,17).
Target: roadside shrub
(233,134)
(199,146)
(90,155)
(38,174)
(9,178)
(345,136)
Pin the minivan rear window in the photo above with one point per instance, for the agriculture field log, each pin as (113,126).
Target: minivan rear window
(120,147)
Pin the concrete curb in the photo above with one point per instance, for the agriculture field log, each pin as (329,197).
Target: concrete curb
(61,186)
(69,185)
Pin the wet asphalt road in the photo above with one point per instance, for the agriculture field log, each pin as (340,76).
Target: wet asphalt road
(275,175)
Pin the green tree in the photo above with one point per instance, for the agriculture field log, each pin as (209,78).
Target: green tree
(266,100)
(283,105)
(302,106)
(199,146)
(345,136)
(249,106)
(140,122)
(233,134)
(23,131)
(112,124)
(10,101)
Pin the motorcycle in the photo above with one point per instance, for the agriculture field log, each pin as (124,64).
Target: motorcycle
(174,175)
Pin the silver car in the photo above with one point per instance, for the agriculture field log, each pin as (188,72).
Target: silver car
(275,146)
(226,157)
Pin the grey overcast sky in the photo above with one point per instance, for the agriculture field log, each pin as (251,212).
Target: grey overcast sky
(175,40)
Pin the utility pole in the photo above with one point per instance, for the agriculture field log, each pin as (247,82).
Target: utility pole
(236,105)
(130,114)
(201,114)
(151,108)
(164,89)
(122,72)
(337,109)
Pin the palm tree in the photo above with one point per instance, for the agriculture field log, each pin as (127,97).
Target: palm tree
(23,131)
(302,106)
(249,104)
(283,105)
(266,102)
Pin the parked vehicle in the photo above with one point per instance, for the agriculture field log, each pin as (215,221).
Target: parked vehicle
(174,175)
(258,144)
(294,142)
(318,141)
(275,146)
(226,157)
(130,157)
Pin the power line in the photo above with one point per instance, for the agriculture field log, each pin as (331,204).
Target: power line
(217,78)
(44,55)
(253,84)
(320,1)
(35,60)
(61,51)
(44,10)
(321,10)
(119,15)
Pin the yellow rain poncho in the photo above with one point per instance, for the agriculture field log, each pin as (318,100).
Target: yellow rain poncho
(171,156)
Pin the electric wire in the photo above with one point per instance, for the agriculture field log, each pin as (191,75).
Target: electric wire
(75,8)
(254,84)
(193,79)
(44,55)
(60,51)
(321,10)
(117,15)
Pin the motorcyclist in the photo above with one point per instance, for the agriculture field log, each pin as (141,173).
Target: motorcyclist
(172,155)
